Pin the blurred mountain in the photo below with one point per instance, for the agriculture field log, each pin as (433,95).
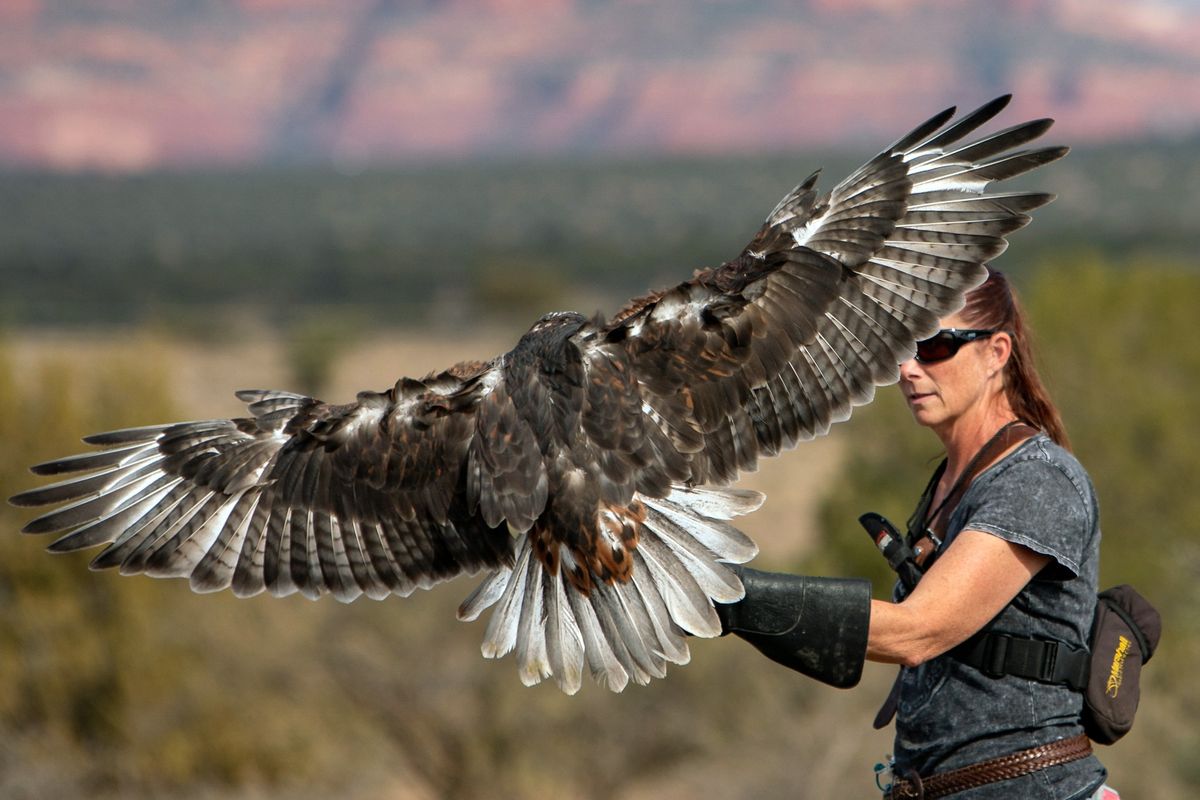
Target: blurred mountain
(140,84)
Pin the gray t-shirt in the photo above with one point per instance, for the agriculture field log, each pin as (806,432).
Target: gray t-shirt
(949,714)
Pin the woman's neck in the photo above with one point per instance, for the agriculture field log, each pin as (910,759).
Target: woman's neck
(965,436)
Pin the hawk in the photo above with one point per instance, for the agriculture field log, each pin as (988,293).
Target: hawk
(587,471)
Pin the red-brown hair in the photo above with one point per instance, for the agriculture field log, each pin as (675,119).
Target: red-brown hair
(994,305)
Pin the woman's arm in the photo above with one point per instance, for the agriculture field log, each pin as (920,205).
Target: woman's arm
(968,585)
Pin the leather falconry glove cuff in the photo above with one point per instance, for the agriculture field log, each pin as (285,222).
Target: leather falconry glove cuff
(816,626)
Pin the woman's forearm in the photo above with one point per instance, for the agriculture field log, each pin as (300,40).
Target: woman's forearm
(895,637)
(977,576)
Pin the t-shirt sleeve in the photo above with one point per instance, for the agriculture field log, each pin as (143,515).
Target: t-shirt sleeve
(1035,503)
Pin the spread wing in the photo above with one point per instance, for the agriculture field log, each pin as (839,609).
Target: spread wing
(509,470)
(573,469)
(302,495)
(832,294)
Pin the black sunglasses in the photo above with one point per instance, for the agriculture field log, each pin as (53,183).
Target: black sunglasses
(946,342)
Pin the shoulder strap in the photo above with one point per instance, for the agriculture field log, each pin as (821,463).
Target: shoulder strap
(926,539)
(1011,434)
(916,522)
(927,529)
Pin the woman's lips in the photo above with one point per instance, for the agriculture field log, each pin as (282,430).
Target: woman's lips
(917,397)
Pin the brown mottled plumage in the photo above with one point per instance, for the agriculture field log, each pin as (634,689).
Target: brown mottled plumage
(581,469)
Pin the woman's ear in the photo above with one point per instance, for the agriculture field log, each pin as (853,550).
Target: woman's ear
(1000,346)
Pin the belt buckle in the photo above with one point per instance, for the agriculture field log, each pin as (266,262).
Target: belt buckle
(908,787)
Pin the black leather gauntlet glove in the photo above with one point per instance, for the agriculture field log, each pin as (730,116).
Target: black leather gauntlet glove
(816,626)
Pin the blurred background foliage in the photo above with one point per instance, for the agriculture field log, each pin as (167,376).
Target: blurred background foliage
(114,687)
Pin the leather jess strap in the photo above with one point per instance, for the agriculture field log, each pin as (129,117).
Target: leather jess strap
(1013,765)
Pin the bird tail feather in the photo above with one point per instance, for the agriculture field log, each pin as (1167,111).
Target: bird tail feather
(621,631)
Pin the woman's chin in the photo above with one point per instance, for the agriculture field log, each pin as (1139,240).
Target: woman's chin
(924,416)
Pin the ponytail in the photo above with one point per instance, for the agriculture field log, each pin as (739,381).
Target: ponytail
(994,305)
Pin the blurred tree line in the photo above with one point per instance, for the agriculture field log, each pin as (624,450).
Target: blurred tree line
(445,244)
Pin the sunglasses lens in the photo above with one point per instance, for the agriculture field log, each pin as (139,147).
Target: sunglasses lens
(946,342)
(937,348)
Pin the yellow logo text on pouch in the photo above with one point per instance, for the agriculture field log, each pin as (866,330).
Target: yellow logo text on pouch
(1117,672)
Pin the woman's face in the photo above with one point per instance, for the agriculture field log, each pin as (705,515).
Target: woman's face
(970,381)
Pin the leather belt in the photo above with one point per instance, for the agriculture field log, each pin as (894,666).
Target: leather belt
(1013,765)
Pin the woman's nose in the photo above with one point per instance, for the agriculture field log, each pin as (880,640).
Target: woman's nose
(911,369)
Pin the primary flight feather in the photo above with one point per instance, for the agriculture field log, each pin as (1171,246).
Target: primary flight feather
(586,470)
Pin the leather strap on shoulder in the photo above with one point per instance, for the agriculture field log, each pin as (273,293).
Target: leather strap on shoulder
(1011,434)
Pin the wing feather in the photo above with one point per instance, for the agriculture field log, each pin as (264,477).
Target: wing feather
(833,292)
(300,496)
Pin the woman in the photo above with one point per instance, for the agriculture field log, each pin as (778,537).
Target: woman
(1018,556)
